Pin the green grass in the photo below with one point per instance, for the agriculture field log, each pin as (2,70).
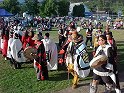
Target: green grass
(24,80)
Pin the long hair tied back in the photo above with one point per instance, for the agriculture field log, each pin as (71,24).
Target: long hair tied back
(104,37)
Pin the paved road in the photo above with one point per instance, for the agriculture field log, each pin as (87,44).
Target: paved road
(83,87)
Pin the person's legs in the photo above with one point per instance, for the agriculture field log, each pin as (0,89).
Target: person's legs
(60,42)
(108,83)
(90,42)
(116,84)
(93,85)
(45,73)
(11,62)
(14,63)
(87,39)
(19,65)
(116,81)
(75,80)
(39,74)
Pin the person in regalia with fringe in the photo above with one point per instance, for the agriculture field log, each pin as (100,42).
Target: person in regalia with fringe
(77,59)
(40,63)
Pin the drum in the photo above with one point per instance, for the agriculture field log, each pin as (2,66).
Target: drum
(98,61)
(30,53)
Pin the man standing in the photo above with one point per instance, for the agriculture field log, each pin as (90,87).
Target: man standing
(61,35)
(89,35)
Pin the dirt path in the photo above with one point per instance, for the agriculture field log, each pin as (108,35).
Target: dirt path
(83,87)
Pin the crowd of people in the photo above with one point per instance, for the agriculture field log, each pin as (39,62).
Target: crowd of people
(72,51)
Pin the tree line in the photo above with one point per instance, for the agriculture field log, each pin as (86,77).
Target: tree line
(111,6)
(44,8)
(61,7)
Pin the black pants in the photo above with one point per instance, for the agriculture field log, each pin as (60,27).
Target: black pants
(15,63)
(61,41)
(87,39)
(117,77)
(102,79)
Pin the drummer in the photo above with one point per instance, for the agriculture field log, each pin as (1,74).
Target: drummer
(27,39)
(17,51)
(40,63)
(105,71)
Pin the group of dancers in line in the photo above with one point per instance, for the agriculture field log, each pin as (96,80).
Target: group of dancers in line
(14,43)
(77,61)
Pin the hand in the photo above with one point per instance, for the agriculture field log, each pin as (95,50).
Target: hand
(116,59)
(19,54)
(9,49)
(33,54)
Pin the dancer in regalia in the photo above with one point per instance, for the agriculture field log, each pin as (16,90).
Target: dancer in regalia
(104,72)
(51,52)
(40,63)
(77,60)
(9,45)
(17,52)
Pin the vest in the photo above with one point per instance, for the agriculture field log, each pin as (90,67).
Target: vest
(89,33)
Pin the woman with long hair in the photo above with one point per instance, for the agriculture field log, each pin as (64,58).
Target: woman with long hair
(104,72)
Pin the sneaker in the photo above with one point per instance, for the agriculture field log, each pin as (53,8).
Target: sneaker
(117,90)
(38,79)
(108,88)
(93,89)
(5,58)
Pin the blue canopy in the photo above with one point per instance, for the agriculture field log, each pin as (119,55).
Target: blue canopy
(87,11)
(4,13)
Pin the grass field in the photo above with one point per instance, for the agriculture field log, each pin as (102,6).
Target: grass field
(24,80)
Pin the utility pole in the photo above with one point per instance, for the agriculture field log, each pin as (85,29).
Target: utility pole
(97,12)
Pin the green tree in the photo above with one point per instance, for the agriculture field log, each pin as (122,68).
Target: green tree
(78,10)
(11,6)
(31,6)
(76,1)
(105,5)
(48,8)
(63,7)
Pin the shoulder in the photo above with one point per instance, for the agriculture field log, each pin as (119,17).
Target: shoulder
(98,49)
(108,46)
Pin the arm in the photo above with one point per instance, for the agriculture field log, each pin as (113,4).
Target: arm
(110,61)
(59,33)
(41,53)
(80,38)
